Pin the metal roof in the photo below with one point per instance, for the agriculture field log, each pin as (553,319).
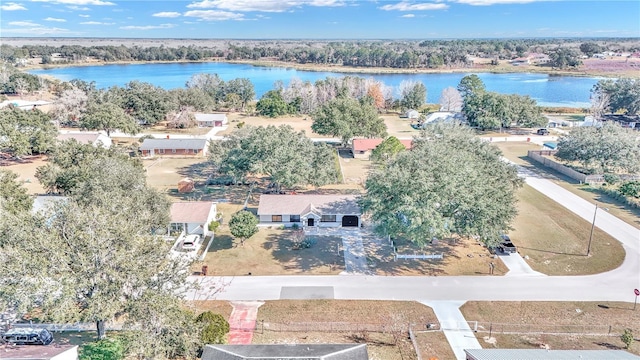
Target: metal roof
(542,354)
(302,204)
(152,144)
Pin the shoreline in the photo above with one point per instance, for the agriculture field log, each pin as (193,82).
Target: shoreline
(499,69)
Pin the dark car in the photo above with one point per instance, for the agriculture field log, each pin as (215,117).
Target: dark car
(542,132)
(28,336)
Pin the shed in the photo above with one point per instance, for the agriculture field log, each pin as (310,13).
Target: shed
(211,120)
(286,352)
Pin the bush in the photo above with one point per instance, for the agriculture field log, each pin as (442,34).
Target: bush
(295,226)
(145,137)
(627,338)
(611,179)
(107,349)
(631,188)
(213,226)
(215,328)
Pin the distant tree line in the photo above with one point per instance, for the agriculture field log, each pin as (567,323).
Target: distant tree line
(388,54)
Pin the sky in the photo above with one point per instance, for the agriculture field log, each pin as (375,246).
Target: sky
(319,19)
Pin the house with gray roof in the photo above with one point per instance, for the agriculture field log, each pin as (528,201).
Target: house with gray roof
(94,138)
(309,210)
(286,352)
(543,354)
(174,147)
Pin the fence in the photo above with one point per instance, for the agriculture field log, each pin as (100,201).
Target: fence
(539,156)
(328,327)
(66,327)
(500,328)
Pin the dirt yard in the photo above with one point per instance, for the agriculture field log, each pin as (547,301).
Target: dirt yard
(26,170)
(594,317)
(164,173)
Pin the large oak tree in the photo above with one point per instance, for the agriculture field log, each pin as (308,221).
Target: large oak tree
(450,182)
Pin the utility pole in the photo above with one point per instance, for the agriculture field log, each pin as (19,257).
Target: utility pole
(593,225)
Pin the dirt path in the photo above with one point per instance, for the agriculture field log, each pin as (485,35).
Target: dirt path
(243,321)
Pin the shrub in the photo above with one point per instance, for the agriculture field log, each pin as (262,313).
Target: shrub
(107,349)
(213,226)
(295,226)
(631,188)
(145,137)
(611,178)
(627,338)
(215,328)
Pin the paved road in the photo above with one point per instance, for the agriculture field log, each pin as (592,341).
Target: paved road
(615,285)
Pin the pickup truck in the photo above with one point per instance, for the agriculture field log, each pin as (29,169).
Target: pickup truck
(542,132)
(506,246)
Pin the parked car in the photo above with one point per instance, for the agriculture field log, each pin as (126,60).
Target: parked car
(506,246)
(28,336)
(542,132)
(190,242)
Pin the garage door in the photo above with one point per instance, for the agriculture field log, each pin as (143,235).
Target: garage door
(350,221)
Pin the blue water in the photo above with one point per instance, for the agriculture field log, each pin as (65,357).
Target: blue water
(547,90)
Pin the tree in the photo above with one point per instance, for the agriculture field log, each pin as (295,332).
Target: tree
(630,188)
(450,182)
(347,118)
(272,104)
(143,101)
(622,94)
(14,198)
(70,107)
(387,149)
(413,94)
(243,225)
(25,132)
(470,85)
(108,117)
(590,48)
(607,149)
(215,328)
(627,338)
(563,58)
(244,90)
(288,158)
(450,100)
(96,256)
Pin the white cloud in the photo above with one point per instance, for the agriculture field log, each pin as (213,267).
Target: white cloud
(167,14)
(84,15)
(12,7)
(407,6)
(493,2)
(95,23)
(78,2)
(55,19)
(408,16)
(261,5)
(23,23)
(147,27)
(214,15)
(78,8)
(37,31)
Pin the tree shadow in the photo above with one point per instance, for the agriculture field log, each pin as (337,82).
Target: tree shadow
(609,346)
(323,255)
(221,242)
(550,252)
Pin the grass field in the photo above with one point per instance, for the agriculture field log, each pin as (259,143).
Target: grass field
(164,173)
(555,239)
(517,152)
(537,316)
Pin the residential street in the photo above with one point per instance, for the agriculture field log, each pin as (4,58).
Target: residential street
(615,285)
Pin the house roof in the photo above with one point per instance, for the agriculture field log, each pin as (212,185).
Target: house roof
(542,354)
(210,117)
(286,352)
(84,138)
(302,204)
(191,211)
(370,144)
(45,202)
(152,144)
(36,352)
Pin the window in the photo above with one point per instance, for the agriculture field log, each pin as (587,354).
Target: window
(276,218)
(161,151)
(328,218)
(294,218)
(173,151)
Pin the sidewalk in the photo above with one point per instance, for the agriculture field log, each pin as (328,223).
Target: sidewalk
(454,326)
(243,321)
(518,266)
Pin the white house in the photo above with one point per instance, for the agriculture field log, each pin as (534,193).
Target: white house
(211,120)
(96,139)
(309,210)
(40,352)
(411,114)
(192,217)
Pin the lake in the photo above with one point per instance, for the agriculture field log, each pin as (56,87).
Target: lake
(547,90)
